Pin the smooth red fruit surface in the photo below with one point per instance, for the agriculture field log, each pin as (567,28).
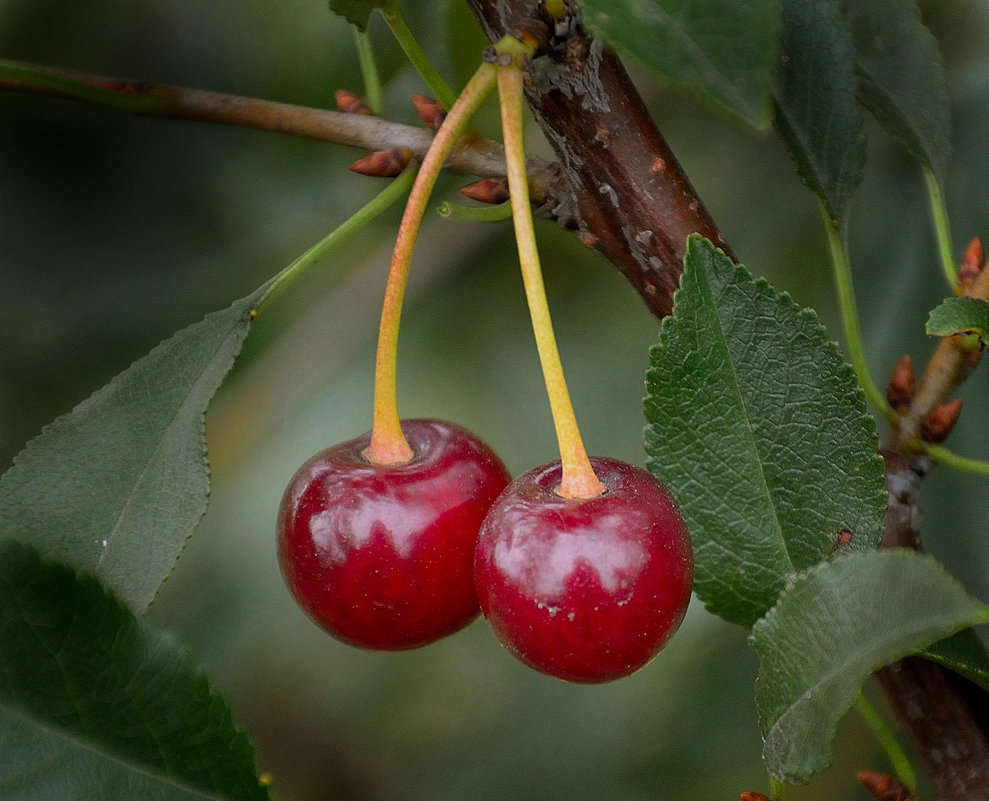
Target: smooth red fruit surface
(586,590)
(381,556)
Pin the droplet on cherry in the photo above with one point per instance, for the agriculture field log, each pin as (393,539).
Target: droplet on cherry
(584,589)
(381,556)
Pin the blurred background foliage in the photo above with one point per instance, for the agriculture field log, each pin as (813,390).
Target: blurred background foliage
(119,230)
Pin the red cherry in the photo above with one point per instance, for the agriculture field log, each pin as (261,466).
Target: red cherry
(381,556)
(586,590)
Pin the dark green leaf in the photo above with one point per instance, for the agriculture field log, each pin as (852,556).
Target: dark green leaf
(817,113)
(959,316)
(832,627)
(117,486)
(357,12)
(963,653)
(902,76)
(726,48)
(95,703)
(758,427)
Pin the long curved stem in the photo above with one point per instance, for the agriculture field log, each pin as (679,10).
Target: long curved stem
(849,317)
(384,200)
(388,443)
(369,70)
(578,479)
(894,751)
(400,30)
(942,230)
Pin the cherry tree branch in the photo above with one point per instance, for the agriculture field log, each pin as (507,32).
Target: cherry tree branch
(475,156)
(634,202)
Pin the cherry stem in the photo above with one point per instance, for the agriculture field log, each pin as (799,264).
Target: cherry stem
(388,443)
(578,479)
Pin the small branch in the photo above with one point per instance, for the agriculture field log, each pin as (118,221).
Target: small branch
(480,157)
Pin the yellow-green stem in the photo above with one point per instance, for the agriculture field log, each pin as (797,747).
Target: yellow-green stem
(578,479)
(348,228)
(897,756)
(403,35)
(369,70)
(942,230)
(849,317)
(388,443)
(951,459)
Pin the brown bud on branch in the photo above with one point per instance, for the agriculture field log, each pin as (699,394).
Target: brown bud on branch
(349,103)
(899,393)
(487,190)
(942,418)
(430,111)
(883,786)
(383,163)
(973,262)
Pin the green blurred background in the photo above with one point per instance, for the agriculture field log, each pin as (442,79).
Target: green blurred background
(119,230)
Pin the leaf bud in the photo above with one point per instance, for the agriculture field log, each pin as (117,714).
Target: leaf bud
(383,163)
(973,262)
(899,393)
(883,786)
(349,103)
(487,190)
(430,111)
(940,420)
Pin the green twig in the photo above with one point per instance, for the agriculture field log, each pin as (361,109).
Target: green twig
(897,756)
(942,229)
(396,23)
(849,317)
(777,789)
(943,456)
(495,213)
(369,70)
(390,195)
(81,90)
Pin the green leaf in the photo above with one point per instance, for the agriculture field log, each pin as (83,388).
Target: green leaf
(902,76)
(960,316)
(817,113)
(357,12)
(965,654)
(832,627)
(117,486)
(758,427)
(726,48)
(95,703)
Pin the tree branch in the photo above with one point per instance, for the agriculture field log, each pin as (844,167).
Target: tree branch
(475,156)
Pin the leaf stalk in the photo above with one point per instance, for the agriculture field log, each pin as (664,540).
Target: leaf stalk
(849,316)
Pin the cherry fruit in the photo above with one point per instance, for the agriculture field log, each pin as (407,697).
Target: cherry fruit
(381,556)
(584,589)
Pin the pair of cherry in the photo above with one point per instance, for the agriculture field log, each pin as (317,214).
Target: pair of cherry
(395,556)
(583,567)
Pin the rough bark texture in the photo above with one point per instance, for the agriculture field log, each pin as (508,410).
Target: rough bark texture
(636,206)
(634,203)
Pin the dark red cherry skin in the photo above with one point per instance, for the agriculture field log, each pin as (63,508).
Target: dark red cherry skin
(381,556)
(585,590)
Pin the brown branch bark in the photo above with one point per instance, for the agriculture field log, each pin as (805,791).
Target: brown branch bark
(634,201)
(477,156)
